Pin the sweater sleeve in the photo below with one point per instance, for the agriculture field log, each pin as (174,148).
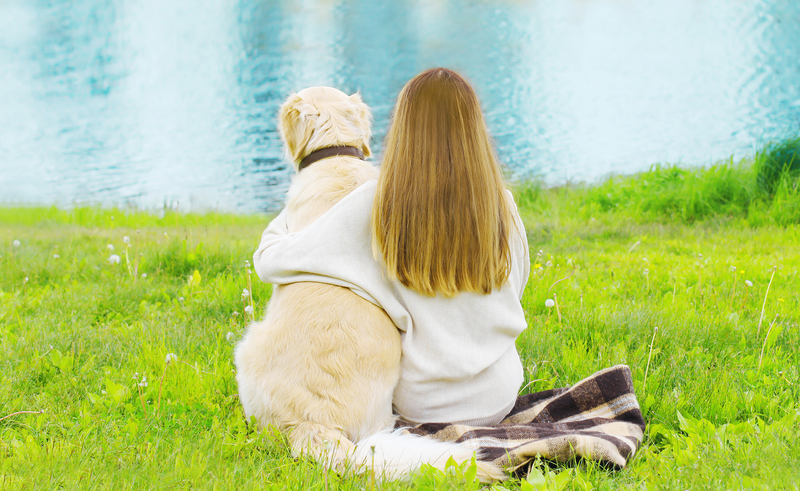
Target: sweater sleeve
(519,247)
(274,238)
(525,260)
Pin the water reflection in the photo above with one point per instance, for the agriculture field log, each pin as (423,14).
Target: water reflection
(174,103)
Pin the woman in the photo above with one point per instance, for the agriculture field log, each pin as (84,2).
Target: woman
(436,242)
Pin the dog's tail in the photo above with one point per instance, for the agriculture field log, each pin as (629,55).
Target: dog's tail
(390,454)
(393,454)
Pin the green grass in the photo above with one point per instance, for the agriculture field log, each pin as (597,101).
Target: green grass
(764,190)
(649,251)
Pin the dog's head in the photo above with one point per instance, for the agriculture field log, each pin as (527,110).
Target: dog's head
(320,117)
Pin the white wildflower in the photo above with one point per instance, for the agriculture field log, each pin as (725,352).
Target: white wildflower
(646,271)
(25,280)
(170,358)
(144,275)
(113,259)
(229,336)
(110,247)
(549,264)
(733,269)
(549,303)
(248,309)
(235,313)
(56,256)
(245,293)
(126,239)
(143,383)
(17,243)
(748,282)
(181,299)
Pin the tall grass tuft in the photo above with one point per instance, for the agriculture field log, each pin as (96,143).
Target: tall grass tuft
(776,164)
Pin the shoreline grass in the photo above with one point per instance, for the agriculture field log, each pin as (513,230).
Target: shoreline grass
(686,252)
(764,190)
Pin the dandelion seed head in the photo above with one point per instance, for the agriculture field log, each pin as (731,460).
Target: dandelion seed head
(181,299)
(235,313)
(748,282)
(646,271)
(170,358)
(548,264)
(143,383)
(549,303)
(733,269)
(110,247)
(56,256)
(245,293)
(248,309)
(645,259)
(144,275)
(113,259)
(229,336)
(25,280)
(126,239)
(17,243)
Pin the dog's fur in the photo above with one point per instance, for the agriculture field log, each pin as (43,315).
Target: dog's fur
(323,363)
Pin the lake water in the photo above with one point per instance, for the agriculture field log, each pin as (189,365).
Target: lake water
(173,103)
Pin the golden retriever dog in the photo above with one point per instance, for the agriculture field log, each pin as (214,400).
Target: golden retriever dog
(324,362)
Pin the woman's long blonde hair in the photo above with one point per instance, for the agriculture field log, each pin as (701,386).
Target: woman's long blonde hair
(441,217)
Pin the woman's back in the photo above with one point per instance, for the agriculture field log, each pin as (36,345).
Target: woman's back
(459,359)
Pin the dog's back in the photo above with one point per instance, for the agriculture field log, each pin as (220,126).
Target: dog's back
(323,363)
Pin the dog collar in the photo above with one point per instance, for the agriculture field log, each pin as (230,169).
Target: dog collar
(324,153)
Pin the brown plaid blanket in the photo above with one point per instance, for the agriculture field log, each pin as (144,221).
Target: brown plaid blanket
(598,419)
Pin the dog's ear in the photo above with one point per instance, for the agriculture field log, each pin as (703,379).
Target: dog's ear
(296,123)
(363,122)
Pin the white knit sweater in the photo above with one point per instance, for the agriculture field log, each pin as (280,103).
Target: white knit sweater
(459,361)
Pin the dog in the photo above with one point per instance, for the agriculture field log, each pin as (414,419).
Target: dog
(314,334)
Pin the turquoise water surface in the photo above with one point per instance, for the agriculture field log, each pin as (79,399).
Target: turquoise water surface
(173,103)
